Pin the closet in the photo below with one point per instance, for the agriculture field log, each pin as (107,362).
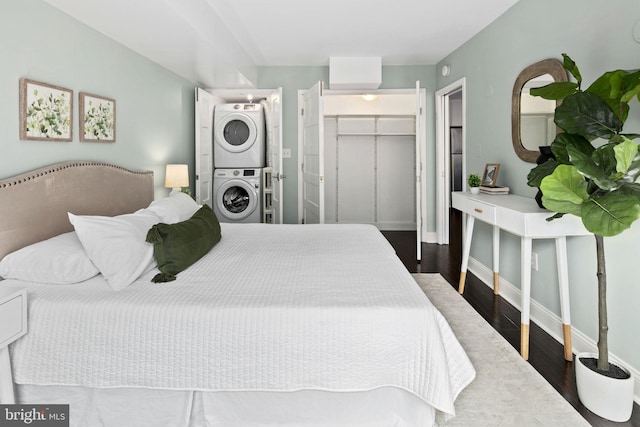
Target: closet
(272,186)
(369,160)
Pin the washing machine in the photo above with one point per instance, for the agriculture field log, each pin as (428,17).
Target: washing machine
(237,195)
(239,136)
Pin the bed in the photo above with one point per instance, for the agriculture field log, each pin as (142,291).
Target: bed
(276,325)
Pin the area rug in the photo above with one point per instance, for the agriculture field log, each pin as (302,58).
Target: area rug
(507,391)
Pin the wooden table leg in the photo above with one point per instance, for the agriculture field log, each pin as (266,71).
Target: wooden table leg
(465,252)
(524,341)
(565,304)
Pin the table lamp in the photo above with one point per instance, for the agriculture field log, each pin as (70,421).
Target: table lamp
(176,177)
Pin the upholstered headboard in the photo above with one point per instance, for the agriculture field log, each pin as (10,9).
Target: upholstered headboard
(34,205)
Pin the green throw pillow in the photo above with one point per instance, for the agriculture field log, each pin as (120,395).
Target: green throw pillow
(177,246)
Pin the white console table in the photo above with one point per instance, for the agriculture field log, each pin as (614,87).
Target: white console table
(521,216)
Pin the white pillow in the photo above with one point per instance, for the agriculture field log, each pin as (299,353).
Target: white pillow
(117,245)
(177,207)
(60,260)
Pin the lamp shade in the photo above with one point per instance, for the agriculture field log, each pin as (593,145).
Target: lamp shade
(177,176)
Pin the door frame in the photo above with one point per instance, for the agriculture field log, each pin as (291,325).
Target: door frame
(423,148)
(224,96)
(443,158)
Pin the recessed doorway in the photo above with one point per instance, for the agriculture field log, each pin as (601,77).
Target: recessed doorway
(450,149)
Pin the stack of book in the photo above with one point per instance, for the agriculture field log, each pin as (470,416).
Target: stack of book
(494,190)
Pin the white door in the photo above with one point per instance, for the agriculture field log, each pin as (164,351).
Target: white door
(420,148)
(204,147)
(313,156)
(274,127)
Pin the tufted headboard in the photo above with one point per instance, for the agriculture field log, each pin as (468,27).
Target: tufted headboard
(34,205)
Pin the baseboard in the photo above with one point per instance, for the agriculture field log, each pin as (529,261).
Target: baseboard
(430,237)
(547,320)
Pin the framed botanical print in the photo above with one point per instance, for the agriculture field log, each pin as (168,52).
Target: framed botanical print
(97,118)
(46,112)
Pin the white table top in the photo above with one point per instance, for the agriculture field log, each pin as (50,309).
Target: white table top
(520,215)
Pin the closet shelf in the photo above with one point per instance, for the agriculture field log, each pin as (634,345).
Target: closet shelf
(376,134)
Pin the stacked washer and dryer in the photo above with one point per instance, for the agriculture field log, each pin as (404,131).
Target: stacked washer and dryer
(239,156)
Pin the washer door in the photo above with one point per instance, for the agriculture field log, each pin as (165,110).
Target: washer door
(236,132)
(236,199)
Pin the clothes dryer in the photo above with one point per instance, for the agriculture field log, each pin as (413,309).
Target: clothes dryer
(239,136)
(237,195)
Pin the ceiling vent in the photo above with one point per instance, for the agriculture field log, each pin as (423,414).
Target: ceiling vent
(355,72)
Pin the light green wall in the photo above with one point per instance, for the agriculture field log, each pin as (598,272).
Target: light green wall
(155,119)
(598,36)
(292,79)
(154,106)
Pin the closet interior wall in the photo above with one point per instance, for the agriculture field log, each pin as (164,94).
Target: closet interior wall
(370,170)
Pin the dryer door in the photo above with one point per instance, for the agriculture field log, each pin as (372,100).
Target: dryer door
(236,132)
(236,199)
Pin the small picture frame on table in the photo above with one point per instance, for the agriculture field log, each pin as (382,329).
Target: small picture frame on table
(490,176)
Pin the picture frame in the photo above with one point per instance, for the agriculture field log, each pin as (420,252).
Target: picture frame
(46,112)
(97,118)
(490,176)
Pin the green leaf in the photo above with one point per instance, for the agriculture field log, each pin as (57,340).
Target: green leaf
(555,91)
(586,114)
(587,167)
(632,175)
(537,174)
(559,146)
(630,135)
(572,68)
(556,215)
(630,84)
(609,88)
(628,96)
(564,190)
(625,153)
(605,157)
(610,214)
(630,189)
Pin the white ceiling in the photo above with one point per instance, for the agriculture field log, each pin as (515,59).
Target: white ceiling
(214,42)
(402,32)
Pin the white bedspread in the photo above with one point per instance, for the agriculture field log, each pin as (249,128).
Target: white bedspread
(270,308)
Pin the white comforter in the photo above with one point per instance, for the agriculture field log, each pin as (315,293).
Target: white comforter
(270,308)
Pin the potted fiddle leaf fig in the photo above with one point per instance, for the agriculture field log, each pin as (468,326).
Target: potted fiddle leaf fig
(596,176)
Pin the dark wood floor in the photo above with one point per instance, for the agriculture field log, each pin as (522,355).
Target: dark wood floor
(545,354)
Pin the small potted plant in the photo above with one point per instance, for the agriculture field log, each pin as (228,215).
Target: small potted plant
(600,183)
(474,183)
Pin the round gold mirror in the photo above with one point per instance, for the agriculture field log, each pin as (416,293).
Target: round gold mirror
(532,123)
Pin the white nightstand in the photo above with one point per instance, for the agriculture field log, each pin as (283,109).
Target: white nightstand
(13,325)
